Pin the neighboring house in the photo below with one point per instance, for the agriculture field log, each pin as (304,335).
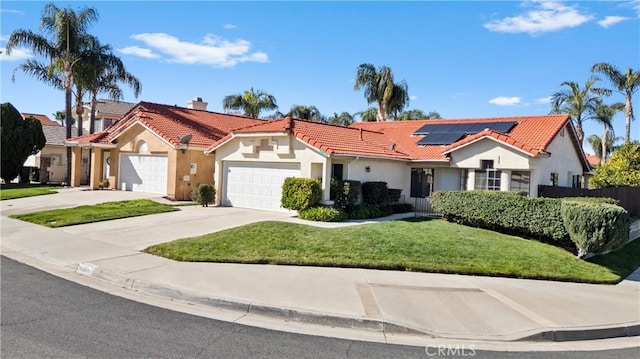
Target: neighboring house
(156,148)
(249,159)
(108,112)
(593,160)
(51,161)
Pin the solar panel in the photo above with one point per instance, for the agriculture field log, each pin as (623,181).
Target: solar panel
(448,133)
(443,138)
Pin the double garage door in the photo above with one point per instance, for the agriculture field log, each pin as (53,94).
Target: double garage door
(144,173)
(256,185)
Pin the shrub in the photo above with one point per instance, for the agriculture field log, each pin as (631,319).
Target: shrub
(594,200)
(375,193)
(323,214)
(595,227)
(104,183)
(401,207)
(347,194)
(300,193)
(203,193)
(505,211)
(368,211)
(394,195)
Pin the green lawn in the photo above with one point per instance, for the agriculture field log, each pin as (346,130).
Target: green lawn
(100,212)
(17,191)
(423,245)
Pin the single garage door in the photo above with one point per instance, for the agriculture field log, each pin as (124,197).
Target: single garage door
(256,185)
(143,173)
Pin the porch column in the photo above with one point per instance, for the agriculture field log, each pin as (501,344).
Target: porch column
(76,166)
(95,172)
(114,166)
(326,181)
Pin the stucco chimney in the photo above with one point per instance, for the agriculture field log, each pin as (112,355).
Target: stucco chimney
(197,104)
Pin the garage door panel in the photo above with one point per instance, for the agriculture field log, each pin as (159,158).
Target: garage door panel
(256,185)
(143,173)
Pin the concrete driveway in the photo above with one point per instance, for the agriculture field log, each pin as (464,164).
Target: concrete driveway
(138,233)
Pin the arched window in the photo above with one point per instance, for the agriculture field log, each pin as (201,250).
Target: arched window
(143,149)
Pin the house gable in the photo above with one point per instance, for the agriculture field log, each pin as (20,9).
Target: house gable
(487,148)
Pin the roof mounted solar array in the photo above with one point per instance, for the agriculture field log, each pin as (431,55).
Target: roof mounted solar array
(448,133)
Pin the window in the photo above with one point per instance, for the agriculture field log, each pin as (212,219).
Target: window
(108,122)
(554,179)
(487,178)
(421,179)
(464,173)
(520,181)
(576,181)
(337,170)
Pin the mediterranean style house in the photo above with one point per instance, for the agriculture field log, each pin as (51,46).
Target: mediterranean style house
(167,149)
(108,112)
(51,161)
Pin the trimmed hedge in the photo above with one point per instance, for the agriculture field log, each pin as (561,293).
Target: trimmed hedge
(201,193)
(538,218)
(300,193)
(401,207)
(368,211)
(346,194)
(323,214)
(375,193)
(394,195)
(595,227)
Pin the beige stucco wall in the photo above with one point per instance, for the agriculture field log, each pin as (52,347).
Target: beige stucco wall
(186,170)
(58,169)
(283,149)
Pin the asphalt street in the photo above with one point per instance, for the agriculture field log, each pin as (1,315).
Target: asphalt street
(43,316)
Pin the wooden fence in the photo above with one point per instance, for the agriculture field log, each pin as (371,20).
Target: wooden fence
(629,197)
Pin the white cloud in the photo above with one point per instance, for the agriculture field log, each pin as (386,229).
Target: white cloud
(4,38)
(11,11)
(611,20)
(546,17)
(140,52)
(229,26)
(213,50)
(544,100)
(505,101)
(413,98)
(635,4)
(17,54)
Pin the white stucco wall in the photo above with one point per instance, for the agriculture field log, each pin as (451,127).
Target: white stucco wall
(564,160)
(447,179)
(397,174)
(503,156)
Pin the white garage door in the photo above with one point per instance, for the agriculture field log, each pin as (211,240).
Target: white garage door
(256,185)
(143,173)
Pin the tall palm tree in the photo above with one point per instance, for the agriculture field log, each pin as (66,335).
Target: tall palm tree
(67,31)
(102,73)
(595,142)
(604,115)
(627,84)
(306,113)
(252,102)
(399,99)
(577,102)
(379,87)
(342,119)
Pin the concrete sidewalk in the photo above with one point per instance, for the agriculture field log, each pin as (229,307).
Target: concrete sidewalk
(378,304)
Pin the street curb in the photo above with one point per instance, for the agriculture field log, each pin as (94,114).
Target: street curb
(344,321)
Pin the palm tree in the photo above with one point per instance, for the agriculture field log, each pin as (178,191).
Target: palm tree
(625,83)
(305,112)
(68,34)
(399,99)
(342,119)
(604,115)
(379,87)
(576,102)
(595,142)
(251,102)
(368,115)
(101,74)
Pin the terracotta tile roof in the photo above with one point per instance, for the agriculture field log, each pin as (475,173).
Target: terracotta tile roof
(593,160)
(172,122)
(531,133)
(332,139)
(44,120)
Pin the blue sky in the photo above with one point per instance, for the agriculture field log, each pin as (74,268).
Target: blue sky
(460,58)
